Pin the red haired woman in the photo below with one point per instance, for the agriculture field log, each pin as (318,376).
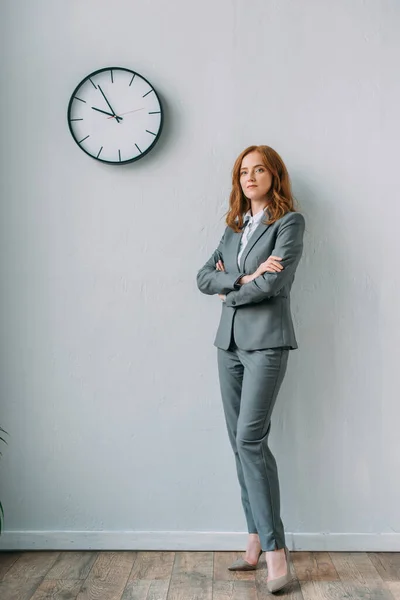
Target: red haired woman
(252,271)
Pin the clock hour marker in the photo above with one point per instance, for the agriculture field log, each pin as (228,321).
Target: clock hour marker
(112,78)
(119,154)
(133,77)
(85,138)
(150,132)
(95,86)
(146,94)
(138,148)
(76,119)
(98,154)
(154,112)
(80,99)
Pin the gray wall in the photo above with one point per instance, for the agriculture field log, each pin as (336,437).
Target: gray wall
(109,384)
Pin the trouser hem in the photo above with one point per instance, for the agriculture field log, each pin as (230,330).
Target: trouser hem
(270,546)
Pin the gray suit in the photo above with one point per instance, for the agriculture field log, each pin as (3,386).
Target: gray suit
(259,311)
(254,337)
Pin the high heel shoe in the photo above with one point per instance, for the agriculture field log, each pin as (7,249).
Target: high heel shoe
(279,582)
(242,565)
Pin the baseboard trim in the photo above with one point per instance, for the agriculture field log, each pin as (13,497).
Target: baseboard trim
(191,541)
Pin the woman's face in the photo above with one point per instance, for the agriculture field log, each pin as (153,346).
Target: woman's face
(254,174)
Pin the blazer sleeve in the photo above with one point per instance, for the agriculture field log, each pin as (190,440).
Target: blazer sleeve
(210,281)
(289,246)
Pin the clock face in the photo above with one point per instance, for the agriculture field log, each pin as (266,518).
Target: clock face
(115,115)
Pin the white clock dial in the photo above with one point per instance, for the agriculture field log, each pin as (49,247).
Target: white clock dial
(115,115)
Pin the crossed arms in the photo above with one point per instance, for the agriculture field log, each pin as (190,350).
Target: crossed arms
(289,246)
(210,281)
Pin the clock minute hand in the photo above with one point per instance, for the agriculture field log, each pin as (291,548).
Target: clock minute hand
(111,108)
(106,113)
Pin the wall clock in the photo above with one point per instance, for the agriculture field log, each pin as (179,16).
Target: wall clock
(115,115)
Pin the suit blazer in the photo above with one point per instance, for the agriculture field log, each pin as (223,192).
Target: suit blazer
(258,312)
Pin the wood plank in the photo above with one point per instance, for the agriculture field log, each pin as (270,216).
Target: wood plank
(158,590)
(234,590)
(148,589)
(192,576)
(314,566)
(58,589)
(108,577)
(72,565)
(7,559)
(387,564)
(359,577)
(112,566)
(394,587)
(152,565)
(193,563)
(324,590)
(222,560)
(31,565)
(19,589)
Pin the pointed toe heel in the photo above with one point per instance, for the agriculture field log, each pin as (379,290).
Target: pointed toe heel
(277,584)
(242,565)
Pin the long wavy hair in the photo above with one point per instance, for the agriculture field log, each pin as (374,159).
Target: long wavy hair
(280,197)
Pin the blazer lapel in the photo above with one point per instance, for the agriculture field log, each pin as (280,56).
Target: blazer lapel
(257,233)
(235,246)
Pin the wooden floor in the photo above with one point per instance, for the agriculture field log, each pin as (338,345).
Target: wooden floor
(193,575)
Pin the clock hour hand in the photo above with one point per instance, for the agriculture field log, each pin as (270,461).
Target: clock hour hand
(111,108)
(107,113)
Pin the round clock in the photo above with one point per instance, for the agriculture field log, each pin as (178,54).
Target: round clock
(115,115)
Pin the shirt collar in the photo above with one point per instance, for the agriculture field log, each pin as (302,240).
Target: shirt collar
(257,218)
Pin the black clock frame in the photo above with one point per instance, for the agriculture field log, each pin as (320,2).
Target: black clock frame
(110,162)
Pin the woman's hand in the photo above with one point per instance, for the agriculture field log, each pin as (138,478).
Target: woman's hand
(271,265)
(247,278)
(220,267)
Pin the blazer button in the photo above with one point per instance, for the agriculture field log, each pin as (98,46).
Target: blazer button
(233,302)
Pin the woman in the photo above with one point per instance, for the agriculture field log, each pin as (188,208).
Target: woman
(252,272)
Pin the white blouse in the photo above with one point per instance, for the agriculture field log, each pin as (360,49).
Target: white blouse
(252,224)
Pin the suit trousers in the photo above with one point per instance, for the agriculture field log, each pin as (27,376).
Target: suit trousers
(250,381)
